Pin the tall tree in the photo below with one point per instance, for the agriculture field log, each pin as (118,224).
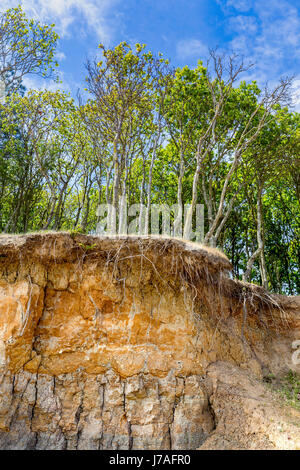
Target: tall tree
(26,47)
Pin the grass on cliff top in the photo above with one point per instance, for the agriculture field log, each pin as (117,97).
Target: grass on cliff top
(190,245)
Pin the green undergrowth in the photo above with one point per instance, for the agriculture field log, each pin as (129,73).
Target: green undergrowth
(286,387)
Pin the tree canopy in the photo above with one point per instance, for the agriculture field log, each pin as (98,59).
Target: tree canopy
(152,134)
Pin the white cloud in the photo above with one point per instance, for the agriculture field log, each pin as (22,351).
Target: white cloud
(270,37)
(280,24)
(64,12)
(33,82)
(241,5)
(191,48)
(59,55)
(243,24)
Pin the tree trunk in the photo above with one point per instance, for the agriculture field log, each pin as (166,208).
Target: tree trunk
(189,217)
(260,242)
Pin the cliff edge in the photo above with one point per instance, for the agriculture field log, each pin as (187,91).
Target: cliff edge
(139,343)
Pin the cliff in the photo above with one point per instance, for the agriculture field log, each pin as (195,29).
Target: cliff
(138,343)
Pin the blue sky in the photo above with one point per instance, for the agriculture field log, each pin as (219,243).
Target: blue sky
(266,32)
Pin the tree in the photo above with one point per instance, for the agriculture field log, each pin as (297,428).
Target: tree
(183,111)
(233,119)
(26,47)
(156,136)
(52,137)
(123,87)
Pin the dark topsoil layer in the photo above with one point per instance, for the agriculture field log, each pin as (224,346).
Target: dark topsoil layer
(190,262)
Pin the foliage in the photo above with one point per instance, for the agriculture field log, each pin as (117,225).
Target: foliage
(287,387)
(26,47)
(155,135)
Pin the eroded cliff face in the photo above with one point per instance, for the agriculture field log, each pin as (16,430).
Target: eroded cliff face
(124,343)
